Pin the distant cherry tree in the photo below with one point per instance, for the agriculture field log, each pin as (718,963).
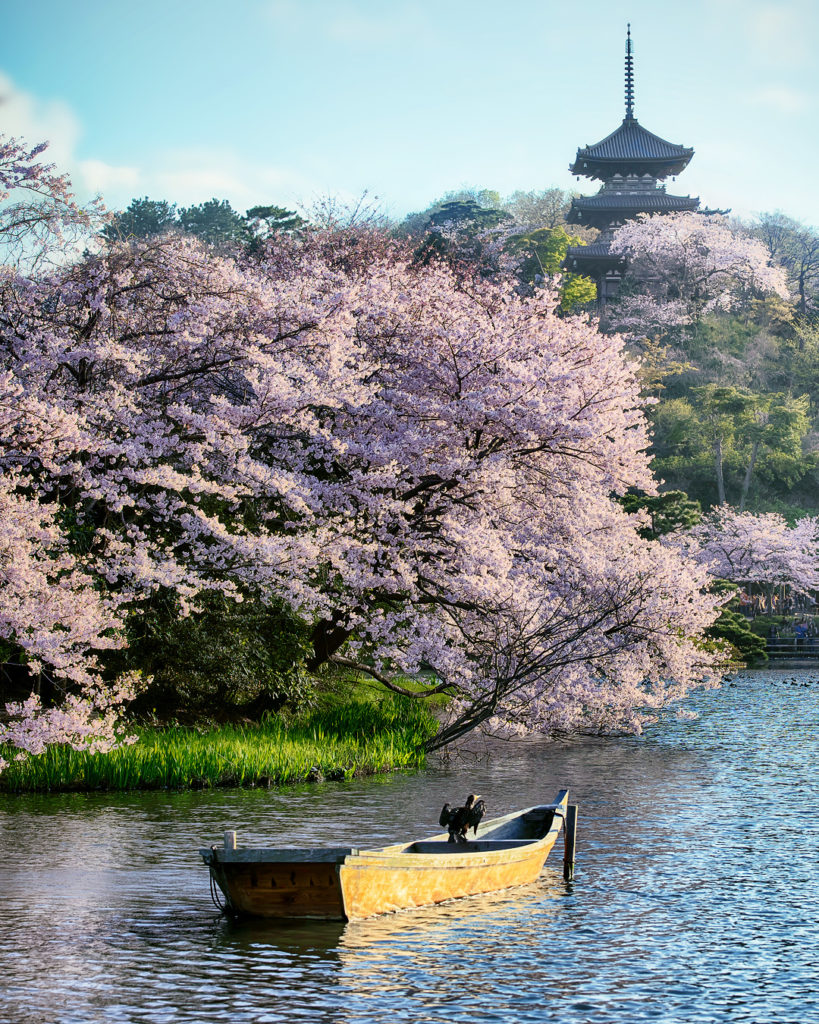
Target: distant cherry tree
(683,266)
(762,549)
(40,217)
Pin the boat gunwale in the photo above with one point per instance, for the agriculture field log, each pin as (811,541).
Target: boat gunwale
(469,853)
(449,855)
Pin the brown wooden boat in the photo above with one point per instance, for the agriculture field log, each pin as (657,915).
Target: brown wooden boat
(345,883)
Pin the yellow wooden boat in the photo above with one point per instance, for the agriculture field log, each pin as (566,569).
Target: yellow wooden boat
(345,883)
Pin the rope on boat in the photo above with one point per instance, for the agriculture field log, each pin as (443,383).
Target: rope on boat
(214,889)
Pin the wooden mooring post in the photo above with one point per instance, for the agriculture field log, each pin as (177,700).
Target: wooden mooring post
(569,835)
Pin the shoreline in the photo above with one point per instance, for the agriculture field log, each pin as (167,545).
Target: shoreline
(343,742)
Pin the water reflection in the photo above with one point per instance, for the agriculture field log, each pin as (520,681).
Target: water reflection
(694,895)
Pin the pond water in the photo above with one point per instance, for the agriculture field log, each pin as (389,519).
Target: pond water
(694,898)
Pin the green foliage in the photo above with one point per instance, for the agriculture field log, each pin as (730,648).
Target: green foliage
(798,362)
(731,628)
(774,314)
(225,658)
(466,215)
(735,630)
(577,292)
(404,716)
(461,202)
(265,221)
(739,391)
(545,208)
(143,218)
(459,232)
(338,743)
(215,222)
(756,441)
(670,511)
(543,252)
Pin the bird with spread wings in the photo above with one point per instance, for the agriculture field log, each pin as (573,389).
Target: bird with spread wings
(459,820)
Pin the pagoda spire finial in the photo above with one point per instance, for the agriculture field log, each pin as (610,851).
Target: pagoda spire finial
(629,76)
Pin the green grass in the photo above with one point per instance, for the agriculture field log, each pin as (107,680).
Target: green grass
(347,685)
(337,742)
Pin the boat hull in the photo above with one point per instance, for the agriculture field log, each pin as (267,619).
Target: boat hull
(282,890)
(345,883)
(375,885)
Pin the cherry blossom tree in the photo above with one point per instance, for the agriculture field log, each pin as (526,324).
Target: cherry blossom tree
(683,266)
(748,548)
(40,217)
(420,466)
(422,470)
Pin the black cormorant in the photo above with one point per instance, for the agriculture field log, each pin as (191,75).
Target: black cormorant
(460,819)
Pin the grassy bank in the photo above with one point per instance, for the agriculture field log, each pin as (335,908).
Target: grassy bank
(336,742)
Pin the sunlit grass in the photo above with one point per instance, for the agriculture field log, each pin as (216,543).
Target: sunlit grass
(359,738)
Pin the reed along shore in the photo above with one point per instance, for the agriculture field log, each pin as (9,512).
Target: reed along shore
(358,738)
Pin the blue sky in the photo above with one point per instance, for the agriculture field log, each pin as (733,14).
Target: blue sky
(283,101)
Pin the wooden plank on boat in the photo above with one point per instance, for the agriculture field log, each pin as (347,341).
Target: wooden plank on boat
(471,846)
(284,890)
(251,854)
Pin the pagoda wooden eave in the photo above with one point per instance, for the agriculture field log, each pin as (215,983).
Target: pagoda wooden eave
(607,207)
(631,149)
(596,253)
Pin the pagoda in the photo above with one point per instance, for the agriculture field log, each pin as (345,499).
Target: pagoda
(630,163)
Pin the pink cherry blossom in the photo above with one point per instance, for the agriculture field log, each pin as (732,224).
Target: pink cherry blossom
(749,548)
(420,465)
(687,265)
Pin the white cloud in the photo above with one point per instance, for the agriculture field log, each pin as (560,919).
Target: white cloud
(35,120)
(104,179)
(26,117)
(782,99)
(183,176)
(195,175)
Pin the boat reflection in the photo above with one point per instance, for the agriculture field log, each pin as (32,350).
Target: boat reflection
(509,911)
(491,914)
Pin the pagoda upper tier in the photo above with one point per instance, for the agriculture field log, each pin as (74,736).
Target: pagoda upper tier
(631,149)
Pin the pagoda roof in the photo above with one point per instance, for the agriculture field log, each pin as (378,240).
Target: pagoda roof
(631,149)
(608,206)
(647,201)
(592,259)
(592,253)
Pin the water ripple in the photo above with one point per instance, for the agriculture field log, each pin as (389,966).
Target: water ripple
(694,899)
